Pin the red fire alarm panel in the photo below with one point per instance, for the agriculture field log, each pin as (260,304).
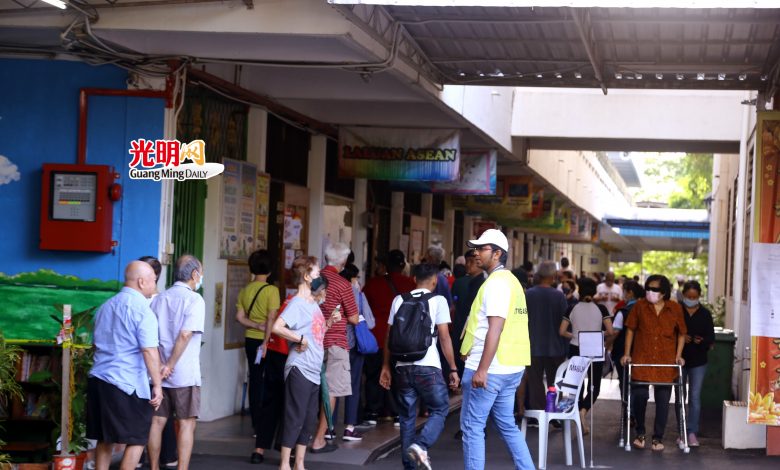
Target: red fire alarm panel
(76,208)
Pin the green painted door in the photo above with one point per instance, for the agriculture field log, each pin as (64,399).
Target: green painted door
(189,216)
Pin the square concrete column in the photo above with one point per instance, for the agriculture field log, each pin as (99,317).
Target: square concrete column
(256,140)
(427,211)
(359,231)
(449,234)
(396,219)
(316,183)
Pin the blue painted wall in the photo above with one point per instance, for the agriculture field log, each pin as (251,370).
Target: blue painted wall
(39,124)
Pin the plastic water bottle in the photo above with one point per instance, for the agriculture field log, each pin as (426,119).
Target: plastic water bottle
(550,405)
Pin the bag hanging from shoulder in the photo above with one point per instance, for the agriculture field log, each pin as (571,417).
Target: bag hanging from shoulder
(366,343)
(276,343)
(412,331)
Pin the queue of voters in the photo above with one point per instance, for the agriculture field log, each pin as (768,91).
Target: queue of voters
(395,350)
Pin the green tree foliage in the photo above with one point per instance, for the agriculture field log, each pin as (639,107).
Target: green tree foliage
(682,181)
(693,175)
(668,263)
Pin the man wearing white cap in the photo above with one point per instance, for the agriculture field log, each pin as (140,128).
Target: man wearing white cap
(497,349)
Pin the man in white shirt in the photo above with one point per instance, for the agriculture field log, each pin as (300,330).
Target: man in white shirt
(181,314)
(496,343)
(608,293)
(421,379)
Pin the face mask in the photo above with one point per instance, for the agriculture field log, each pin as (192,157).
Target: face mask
(653,297)
(200,282)
(321,301)
(691,303)
(566,291)
(316,284)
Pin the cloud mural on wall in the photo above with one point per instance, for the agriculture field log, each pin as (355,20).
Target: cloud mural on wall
(8,171)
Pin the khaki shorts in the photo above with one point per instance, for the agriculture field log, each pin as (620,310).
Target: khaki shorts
(337,372)
(183,402)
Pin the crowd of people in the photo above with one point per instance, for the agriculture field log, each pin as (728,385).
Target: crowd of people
(395,349)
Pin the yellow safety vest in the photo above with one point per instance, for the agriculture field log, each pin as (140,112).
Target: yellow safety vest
(514,346)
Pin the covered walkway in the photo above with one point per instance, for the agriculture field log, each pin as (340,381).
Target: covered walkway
(448,451)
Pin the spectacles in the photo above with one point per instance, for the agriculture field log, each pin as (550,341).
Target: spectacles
(482,248)
(654,289)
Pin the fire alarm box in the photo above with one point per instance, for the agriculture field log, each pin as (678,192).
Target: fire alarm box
(76,208)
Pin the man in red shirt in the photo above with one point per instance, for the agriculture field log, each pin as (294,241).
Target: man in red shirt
(337,369)
(380,291)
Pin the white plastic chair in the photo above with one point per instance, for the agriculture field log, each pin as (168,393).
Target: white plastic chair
(544,419)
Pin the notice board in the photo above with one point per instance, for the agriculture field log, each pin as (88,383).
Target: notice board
(238,276)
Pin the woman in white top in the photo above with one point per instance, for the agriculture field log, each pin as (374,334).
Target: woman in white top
(587,315)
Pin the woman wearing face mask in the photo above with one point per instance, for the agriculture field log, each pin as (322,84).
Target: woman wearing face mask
(304,326)
(655,335)
(698,341)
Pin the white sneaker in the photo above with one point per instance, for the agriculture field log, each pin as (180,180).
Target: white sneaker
(419,457)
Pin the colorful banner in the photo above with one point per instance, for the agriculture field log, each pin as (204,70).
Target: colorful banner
(477,177)
(764,404)
(399,154)
(502,205)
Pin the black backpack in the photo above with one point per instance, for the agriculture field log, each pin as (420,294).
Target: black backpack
(410,334)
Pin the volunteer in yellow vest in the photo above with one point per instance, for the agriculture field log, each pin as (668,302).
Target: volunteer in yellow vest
(497,349)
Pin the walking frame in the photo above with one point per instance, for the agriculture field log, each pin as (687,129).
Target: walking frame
(626,405)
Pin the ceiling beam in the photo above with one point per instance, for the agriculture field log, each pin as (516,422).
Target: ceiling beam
(585,29)
(563,42)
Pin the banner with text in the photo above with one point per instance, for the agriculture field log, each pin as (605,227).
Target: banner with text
(399,154)
(477,177)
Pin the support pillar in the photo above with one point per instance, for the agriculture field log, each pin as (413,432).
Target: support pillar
(359,230)
(396,219)
(449,235)
(316,183)
(427,212)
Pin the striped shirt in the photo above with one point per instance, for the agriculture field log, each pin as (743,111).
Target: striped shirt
(339,293)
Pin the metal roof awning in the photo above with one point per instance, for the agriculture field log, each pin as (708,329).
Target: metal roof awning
(691,48)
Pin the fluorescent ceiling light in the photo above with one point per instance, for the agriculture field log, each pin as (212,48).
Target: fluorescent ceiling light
(56,3)
(571,3)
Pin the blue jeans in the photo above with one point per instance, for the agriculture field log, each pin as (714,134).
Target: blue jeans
(420,383)
(497,400)
(694,377)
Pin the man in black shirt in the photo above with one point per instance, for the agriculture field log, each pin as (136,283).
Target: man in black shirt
(546,308)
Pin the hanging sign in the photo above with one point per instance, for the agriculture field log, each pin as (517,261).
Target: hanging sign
(399,154)
(477,177)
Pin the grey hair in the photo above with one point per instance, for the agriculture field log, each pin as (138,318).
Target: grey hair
(546,270)
(185,265)
(336,254)
(435,254)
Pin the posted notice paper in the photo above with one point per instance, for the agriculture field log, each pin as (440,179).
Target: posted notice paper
(764,292)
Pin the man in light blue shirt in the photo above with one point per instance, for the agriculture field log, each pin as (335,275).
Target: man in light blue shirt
(181,314)
(119,402)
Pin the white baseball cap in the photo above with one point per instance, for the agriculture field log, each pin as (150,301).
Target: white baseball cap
(491,237)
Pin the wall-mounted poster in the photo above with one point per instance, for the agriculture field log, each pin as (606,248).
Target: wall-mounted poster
(262,201)
(219,289)
(399,154)
(238,276)
(237,238)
